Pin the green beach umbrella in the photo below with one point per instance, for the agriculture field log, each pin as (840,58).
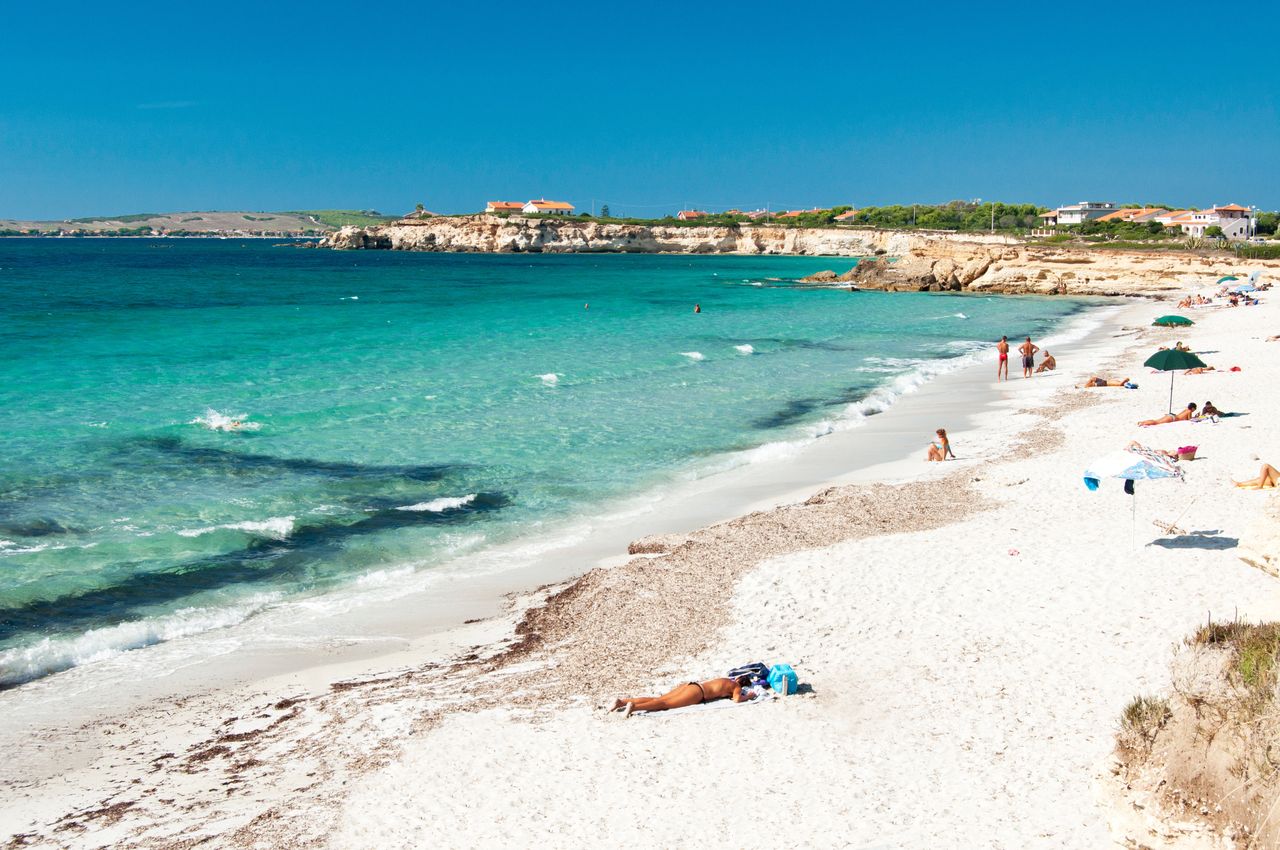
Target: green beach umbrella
(1173,321)
(1172,360)
(1227,278)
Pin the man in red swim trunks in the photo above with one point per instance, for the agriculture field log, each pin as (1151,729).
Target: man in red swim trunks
(1002,366)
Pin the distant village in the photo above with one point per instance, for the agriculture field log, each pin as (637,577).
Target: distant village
(1230,222)
(1236,222)
(1233,222)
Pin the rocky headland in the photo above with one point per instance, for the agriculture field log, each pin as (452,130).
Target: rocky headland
(888,260)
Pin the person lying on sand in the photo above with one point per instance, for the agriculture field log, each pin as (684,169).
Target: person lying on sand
(940,448)
(691,693)
(1200,370)
(1095,381)
(1180,416)
(1210,410)
(1268,479)
(1048,364)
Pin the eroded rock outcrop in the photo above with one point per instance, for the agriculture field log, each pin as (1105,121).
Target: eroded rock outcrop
(894,260)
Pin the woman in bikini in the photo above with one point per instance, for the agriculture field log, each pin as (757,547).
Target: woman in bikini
(1181,416)
(692,693)
(1268,479)
(941,448)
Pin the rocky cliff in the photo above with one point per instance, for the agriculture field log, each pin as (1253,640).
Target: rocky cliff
(904,260)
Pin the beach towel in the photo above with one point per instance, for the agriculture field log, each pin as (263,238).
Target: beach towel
(762,695)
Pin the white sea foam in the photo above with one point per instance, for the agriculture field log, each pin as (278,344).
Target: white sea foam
(17,549)
(693,355)
(216,421)
(350,298)
(277,528)
(550,379)
(745,349)
(51,655)
(443,504)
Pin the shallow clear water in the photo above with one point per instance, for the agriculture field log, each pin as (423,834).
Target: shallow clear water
(407,407)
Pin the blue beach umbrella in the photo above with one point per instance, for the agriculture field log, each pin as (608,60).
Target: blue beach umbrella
(1245,287)
(1137,463)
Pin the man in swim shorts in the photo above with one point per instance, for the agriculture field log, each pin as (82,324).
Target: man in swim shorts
(1002,365)
(1028,351)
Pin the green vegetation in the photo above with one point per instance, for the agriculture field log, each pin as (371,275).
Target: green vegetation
(955,215)
(342,218)
(1267,222)
(1254,647)
(248,217)
(1125,230)
(1257,252)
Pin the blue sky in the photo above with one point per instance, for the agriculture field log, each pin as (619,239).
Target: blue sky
(166,106)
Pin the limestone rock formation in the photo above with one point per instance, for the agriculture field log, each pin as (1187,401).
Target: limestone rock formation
(892,260)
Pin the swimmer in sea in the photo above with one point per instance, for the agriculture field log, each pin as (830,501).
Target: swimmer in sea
(1002,365)
(697,308)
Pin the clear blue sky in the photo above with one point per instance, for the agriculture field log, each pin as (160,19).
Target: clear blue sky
(111,108)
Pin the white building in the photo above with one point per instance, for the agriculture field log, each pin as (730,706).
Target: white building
(542,205)
(1080,213)
(1237,222)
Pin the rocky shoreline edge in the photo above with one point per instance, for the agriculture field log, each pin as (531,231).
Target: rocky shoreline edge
(895,261)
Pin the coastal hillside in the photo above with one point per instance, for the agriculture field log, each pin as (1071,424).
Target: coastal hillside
(903,260)
(198,223)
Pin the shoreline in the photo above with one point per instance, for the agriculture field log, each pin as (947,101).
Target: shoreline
(77,741)
(405,623)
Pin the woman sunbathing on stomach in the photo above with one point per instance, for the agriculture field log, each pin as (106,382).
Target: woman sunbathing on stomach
(1095,381)
(693,693)
(1181,416)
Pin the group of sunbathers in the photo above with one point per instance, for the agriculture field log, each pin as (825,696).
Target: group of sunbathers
(1189,413)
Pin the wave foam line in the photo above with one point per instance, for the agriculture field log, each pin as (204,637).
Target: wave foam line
(438,505)
(53,655)
(277,528)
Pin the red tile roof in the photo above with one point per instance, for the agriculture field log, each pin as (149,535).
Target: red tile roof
(544,204)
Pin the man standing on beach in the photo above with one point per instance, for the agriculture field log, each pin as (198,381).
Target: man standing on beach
(1002,365)
(1028,351)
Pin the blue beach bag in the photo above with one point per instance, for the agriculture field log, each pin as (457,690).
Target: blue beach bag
(783,679)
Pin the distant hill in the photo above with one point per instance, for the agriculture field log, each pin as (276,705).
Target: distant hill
(199,223)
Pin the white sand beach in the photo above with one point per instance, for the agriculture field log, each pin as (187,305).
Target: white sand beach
(967,634)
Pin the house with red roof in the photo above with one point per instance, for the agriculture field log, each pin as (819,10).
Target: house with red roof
(690,215)
(504,207)
(1237,222)
(542,205)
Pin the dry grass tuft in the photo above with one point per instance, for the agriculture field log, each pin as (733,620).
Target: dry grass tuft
(1140,722)
(1254,648)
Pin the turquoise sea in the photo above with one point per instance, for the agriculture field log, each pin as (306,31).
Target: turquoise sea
(399,411)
